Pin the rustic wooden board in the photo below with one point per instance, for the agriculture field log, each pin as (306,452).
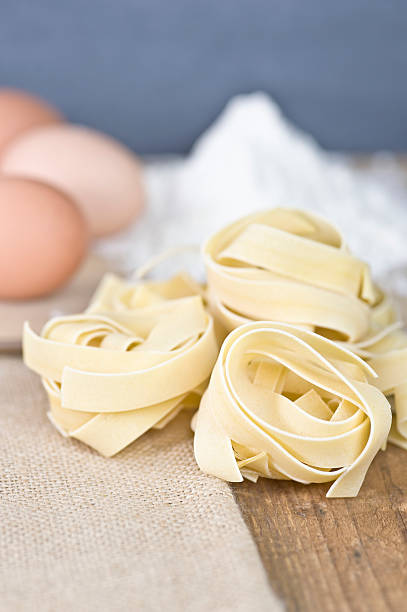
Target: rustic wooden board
(334,554)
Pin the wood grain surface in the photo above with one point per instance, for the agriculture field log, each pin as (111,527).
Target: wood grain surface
(334,554)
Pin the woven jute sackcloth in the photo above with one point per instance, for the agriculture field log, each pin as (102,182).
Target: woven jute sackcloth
(142,531)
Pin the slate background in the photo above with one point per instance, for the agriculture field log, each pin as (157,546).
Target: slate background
(155,73)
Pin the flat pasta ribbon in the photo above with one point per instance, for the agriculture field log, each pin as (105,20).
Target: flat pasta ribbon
(290,266)
(138,356)
(385,349)
(286,403)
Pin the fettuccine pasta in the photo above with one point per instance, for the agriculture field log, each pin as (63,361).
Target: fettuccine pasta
(131,362)
(385,349)
(286,403)
(311,347)
(292,266)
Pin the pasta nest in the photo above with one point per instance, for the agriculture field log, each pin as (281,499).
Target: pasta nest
(131,362)
(286,403)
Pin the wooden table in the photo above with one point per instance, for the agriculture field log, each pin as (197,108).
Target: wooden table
(334,554)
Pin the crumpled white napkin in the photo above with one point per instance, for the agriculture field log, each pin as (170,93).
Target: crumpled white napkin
(252,158)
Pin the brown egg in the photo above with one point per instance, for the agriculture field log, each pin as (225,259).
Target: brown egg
(19,112)
(100,174)
(43,238)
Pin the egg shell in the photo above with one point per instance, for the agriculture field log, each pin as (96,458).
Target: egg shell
(19,112)
(101,175)
(43,238)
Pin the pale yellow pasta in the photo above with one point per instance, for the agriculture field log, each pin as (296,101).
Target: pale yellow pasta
(298,389)
(292,266)
(385,349)
(131,362)
(283,402)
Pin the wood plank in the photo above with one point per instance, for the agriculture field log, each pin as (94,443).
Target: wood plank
(334,554)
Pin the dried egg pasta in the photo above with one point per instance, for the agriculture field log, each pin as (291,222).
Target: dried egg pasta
(385,349)
(286,403)
(298,395)
(131,362)
(292,266)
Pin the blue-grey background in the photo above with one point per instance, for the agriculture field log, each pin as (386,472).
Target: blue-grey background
(155,73)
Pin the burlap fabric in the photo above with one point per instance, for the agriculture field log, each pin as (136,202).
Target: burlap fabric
(143,531)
